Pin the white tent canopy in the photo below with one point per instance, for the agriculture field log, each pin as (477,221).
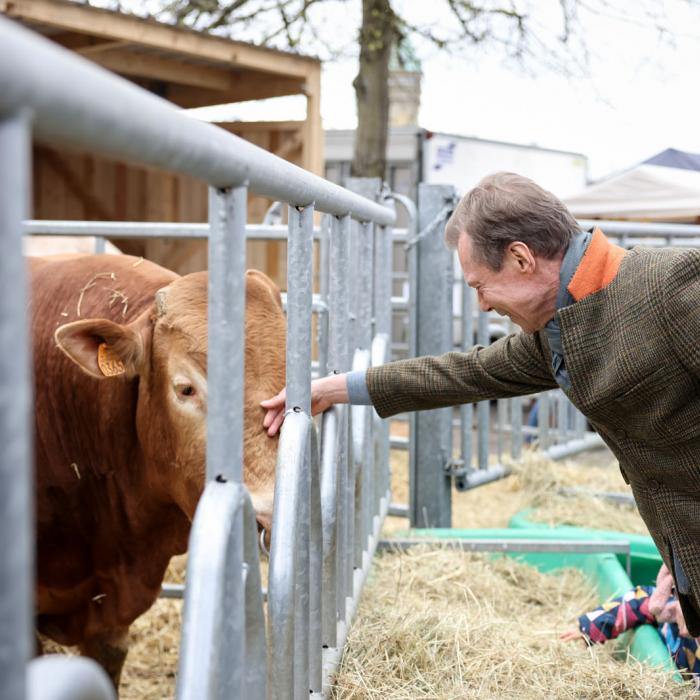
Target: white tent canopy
(663,188)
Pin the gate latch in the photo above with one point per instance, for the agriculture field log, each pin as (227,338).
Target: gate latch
(455,469)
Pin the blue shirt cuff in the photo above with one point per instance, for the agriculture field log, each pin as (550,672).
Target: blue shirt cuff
(357,389)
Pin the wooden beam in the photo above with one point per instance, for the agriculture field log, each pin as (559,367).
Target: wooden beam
(246,87)
(312,151)
(289,145)
(107,24)
(239,127)
(92,50)
(144,65)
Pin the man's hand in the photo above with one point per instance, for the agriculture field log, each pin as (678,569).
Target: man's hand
(324,393)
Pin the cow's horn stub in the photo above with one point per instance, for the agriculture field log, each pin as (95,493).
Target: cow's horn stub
(161,301)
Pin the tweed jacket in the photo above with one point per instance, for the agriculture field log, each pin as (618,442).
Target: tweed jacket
(633,357)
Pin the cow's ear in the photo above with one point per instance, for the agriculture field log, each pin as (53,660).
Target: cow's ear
(103,348)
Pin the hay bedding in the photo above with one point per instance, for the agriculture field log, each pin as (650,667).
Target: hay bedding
(441,624)
(445,624)
(535,483)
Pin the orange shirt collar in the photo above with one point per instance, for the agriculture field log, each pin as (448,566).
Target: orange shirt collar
(597,268)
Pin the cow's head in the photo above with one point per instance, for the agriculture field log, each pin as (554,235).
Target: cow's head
(166,349)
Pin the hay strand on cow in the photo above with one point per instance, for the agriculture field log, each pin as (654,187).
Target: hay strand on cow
(90,284)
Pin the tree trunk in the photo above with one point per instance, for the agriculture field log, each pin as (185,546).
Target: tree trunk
(372,89)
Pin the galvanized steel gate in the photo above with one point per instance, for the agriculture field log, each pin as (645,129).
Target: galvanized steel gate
(333,483)
(332,487)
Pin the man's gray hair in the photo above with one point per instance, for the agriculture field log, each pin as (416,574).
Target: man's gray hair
(505,207)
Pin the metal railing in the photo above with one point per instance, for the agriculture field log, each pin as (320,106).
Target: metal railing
(331,495)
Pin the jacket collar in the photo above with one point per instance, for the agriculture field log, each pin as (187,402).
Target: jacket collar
(597,269)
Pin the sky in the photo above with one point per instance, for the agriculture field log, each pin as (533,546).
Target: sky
(638,95)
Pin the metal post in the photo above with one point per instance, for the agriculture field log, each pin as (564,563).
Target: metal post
(16,506)
(562,417)
(543,420)
(282,598)
(324,283)
(299,301)
(482,408)
(299,312)
(212,650)
(382,326)
(256,671)
(364,249)
(337,565)
(466,411)
(316,603)
(431,441)
(516,427)
(227,217)
(361,417)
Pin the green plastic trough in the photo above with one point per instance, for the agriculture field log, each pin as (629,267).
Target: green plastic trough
(645,557)
(605,570)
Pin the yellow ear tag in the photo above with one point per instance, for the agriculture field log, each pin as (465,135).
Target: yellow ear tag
(110,365)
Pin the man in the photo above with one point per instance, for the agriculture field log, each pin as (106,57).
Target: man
(616,330)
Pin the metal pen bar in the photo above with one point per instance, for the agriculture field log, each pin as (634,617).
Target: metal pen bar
(360,428)
(226,320)
(466,411)
(147,229)
(562,417)
(322,320)
(543,420)
(337,565)
(16,500)
(77,103)
(316,602)
(516,422)
(364,456)
(283,573)
(382,316)
(212,646)
(592,546)
(587,442)
(331,509)
(299,300)
(482,408)
(516,546)
(502,416)
(256,670)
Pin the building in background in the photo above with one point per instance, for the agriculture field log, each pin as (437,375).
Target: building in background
(417,155)
(190,69)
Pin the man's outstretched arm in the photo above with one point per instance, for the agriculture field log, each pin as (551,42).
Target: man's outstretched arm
(336,388)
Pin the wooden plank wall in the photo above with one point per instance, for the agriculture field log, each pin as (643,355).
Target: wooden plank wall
(78,186)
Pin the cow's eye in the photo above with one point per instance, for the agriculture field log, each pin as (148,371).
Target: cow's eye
(187,390)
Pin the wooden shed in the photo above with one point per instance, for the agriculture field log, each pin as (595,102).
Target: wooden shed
(190,69)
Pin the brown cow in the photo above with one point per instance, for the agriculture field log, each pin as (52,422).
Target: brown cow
(121,407)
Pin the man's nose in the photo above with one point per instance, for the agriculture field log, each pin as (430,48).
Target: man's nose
(482,304)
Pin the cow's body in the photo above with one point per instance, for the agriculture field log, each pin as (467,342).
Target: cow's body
(120,459)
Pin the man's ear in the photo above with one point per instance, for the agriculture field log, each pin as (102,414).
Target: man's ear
(103,348)
(521,256)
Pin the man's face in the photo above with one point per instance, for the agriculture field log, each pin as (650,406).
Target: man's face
(523,289)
